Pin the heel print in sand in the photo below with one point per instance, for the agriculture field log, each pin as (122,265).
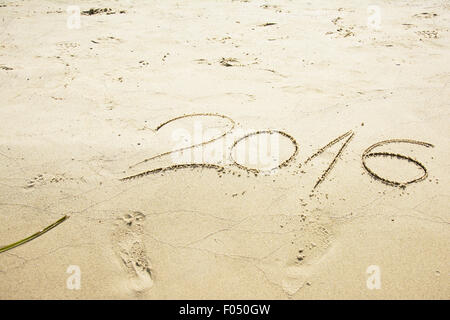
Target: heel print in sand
(127,241)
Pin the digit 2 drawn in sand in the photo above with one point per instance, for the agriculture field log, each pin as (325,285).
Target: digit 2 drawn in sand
(188,165)
(233,124)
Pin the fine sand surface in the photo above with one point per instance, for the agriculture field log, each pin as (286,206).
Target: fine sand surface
(79,107)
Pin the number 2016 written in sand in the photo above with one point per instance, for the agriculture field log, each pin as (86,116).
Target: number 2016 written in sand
(346,137)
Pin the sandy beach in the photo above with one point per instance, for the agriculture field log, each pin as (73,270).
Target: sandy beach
(136,120)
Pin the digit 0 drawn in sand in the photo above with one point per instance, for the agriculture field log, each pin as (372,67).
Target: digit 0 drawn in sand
(368,154)
(283,164)
(128,245)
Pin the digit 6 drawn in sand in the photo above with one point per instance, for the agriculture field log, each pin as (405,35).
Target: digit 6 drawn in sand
(368,154)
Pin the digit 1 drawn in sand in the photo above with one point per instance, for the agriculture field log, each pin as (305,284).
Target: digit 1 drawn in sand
(127,242)
(368,154)
(321,150)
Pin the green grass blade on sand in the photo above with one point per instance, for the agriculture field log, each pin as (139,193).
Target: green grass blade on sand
(34,236)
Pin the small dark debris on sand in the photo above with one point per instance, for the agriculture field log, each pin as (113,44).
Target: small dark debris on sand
(425,15)
(267,24)
(93,11)
(6,68)
(228,62)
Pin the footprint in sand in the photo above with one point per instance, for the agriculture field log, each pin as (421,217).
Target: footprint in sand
(128,245)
